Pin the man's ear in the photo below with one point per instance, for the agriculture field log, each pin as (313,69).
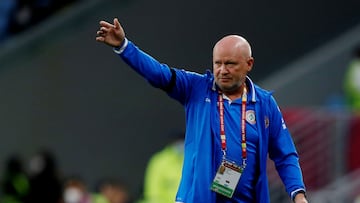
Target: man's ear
(250,63)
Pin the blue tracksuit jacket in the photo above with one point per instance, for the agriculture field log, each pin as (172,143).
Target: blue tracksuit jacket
(198,94)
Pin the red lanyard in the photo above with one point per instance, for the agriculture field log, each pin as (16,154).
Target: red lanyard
(243,124)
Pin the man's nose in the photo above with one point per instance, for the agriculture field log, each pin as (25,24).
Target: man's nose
(223,69)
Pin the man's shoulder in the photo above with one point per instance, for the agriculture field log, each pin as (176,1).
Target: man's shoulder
(262,93)
(206,78)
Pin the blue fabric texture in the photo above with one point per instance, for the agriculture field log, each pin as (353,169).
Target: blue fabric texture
(198,94)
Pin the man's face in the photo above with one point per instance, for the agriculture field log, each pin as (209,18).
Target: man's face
(230,68)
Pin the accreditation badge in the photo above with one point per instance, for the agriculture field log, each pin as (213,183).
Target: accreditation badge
(226,178)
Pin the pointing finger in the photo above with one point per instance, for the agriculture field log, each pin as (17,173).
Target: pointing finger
(106,24)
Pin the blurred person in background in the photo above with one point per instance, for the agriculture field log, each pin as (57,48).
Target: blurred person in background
(112,191)
(352,81)
(7,7)
(352,97)
(15,183)
(221,167)
(28,13)
(75,191)
(163,172)
(45,183)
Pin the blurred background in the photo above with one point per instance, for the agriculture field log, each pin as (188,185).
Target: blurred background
(68,97)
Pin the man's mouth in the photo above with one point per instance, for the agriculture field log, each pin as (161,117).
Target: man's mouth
(225,79)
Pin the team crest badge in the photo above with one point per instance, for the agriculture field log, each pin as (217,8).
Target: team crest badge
(250,116)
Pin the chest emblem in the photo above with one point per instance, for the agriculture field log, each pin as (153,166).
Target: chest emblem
(250,116)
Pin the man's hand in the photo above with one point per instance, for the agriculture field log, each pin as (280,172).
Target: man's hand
(110,34)
(300,198)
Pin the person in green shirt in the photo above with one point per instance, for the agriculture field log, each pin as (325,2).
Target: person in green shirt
(352,82)
(163,172)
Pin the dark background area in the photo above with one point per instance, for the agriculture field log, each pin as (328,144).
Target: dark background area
(62,90)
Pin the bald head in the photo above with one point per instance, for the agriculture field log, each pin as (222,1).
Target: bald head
(232,62)
(234,44)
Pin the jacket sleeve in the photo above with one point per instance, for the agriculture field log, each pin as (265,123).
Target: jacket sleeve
(283,152)
(176,82)
(156,73)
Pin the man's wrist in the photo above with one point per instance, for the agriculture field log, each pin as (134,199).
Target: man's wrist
(298,192)
(122,46)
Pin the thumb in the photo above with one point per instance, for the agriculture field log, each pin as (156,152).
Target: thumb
(116,23)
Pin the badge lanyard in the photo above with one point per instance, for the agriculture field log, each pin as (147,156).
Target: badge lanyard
(243,124)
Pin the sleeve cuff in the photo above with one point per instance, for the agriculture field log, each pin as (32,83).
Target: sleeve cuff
(295,192)
(122,47)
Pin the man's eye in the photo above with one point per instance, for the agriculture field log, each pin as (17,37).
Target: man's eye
(217,64)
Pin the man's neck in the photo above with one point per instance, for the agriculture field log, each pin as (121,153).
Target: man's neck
(233,95)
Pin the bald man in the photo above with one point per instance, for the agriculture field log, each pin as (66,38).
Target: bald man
(231,123)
